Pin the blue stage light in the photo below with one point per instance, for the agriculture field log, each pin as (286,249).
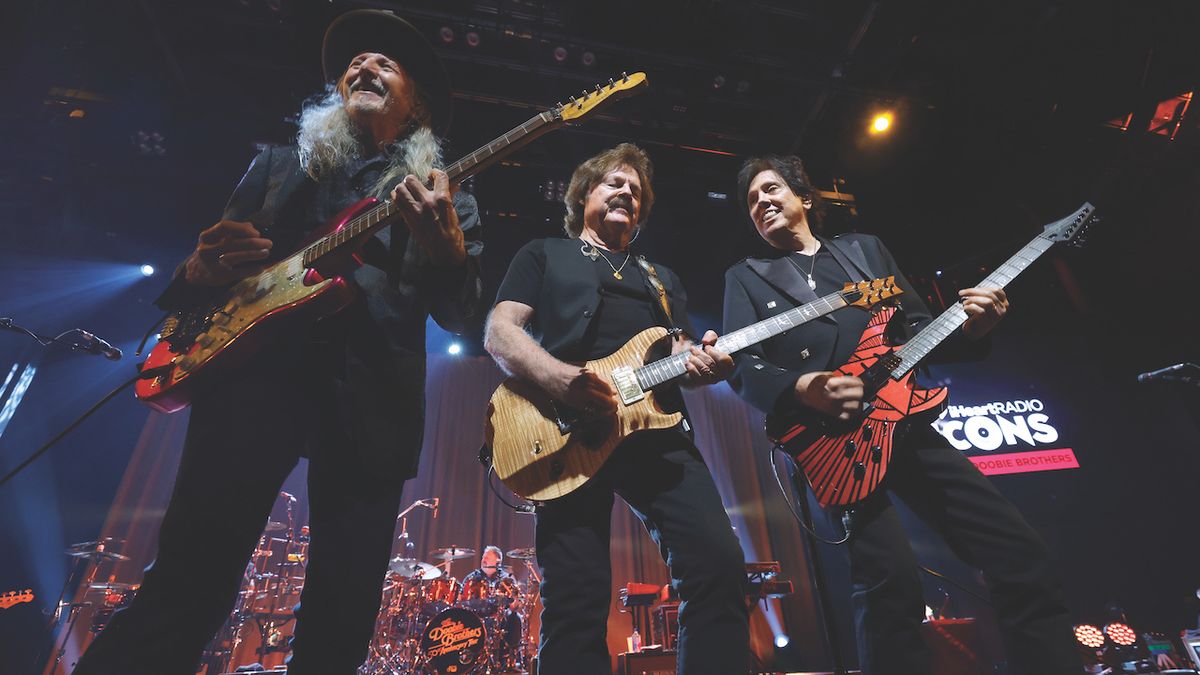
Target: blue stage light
(454,349)
(147,270)
(781,641)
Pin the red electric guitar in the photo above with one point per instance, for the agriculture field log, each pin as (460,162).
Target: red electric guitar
(196,347)
(845,462)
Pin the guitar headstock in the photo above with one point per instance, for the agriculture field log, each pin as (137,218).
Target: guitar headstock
(867,294)
(1071,230)
(15,598)
(586,102)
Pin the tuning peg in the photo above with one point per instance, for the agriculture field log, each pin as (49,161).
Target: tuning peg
(624,76)
(611,83)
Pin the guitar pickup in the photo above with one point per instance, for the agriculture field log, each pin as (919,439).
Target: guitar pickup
(627,385)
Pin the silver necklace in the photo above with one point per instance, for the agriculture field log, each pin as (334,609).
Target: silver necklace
(809,274)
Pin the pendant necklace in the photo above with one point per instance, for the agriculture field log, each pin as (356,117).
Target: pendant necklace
(592,251)
(809,274)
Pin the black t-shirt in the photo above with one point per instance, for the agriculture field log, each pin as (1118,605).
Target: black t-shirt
(831,277)
(627,307)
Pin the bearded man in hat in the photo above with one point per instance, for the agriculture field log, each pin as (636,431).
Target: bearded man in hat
(347,393)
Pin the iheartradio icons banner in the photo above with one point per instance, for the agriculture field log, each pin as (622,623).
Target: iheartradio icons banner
(1007,436)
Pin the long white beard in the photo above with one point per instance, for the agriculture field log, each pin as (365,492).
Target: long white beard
(328,140)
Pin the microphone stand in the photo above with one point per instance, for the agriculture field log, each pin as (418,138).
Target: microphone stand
(90,343)
(409,547)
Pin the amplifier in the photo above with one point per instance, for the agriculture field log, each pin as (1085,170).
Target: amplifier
(646,663)
(666,625)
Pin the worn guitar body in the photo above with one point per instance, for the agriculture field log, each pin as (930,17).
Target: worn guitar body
(543,452)
(845,461)
(258,310)
(197,348)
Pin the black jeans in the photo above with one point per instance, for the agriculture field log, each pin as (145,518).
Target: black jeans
(242,442)
(662,477)
(982,528)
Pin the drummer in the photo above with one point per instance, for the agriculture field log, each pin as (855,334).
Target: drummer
(490,569)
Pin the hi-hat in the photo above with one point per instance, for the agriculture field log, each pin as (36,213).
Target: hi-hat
(411,568)
(451,553)
(90,546)
(97,555)
(527,553)
(274,526)
(113,587)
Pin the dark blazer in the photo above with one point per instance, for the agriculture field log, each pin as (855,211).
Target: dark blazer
(379,383)
(757,288)
(571,297)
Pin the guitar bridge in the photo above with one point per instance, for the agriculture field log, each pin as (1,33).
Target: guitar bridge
(627,385)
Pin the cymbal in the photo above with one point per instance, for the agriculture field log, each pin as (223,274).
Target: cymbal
(411,568)
(274,526)
(92,545)
(99,555)
(451,553)
(527,553)
(113,586)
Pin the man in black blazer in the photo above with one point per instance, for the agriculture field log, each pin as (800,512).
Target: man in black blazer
(793,371)
(584,297)
(347,393)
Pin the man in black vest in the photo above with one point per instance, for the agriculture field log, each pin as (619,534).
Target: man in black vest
(793,370)
(347,393)
(585,297)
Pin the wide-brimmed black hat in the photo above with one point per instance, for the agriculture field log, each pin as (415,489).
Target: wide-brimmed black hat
(373,30)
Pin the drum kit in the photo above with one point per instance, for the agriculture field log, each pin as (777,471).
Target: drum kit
(432,624)
(103,598)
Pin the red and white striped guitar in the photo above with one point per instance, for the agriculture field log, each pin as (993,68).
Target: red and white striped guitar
(845,462)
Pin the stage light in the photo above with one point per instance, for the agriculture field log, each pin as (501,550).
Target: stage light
(560,54)
(147,270)
(881,123)
(938,274)
(1089,636)
(743,86)
(472,39)
(588,59)
(1121,634)
(446,34)
(781,641)
(718,82)
(454,349)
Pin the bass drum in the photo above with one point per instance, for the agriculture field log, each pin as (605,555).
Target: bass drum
(454,642)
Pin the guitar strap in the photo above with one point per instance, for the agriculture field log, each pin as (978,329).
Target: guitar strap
(656,286)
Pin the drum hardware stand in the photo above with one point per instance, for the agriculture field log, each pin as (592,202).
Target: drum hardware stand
(83,572)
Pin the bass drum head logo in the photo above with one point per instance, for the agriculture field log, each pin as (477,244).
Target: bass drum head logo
(453,641)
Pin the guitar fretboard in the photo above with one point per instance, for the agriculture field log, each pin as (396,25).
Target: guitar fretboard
(457,172)
(664,370)
(945,324)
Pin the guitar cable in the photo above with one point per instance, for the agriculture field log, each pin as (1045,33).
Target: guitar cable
(70,427)
(847,515)
(526,508)
(848,526)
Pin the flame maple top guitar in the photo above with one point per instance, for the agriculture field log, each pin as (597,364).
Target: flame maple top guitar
(845,462)
(543,450)
(196,347)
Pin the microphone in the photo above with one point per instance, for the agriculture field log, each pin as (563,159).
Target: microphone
(1175,373)
(93,344)
(288,496)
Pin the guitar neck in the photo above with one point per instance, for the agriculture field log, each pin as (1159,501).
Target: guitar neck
(665,370)
(378,217)
(924,342)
